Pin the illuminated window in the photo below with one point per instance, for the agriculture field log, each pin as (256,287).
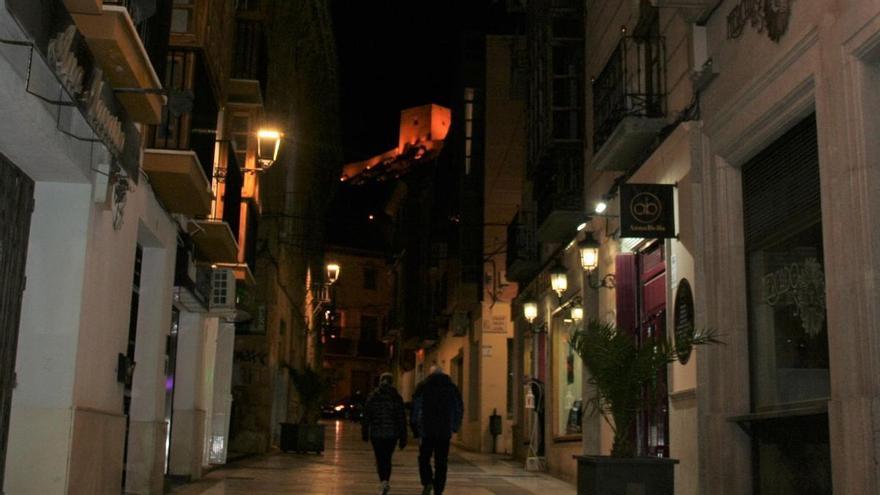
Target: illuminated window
(568,373)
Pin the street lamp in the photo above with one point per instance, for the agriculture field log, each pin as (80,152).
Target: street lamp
(530,311)
(332,272)
(577,312)
(559,279)
(589,253)
(268,144)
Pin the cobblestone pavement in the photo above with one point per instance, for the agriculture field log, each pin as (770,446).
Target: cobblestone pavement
(346,468)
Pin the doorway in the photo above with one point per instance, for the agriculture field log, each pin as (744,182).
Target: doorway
(653,423)
(16,205)
(170,370)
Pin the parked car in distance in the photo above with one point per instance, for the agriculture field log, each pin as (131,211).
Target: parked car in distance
(345,408)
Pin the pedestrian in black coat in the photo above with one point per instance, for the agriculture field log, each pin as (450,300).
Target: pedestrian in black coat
(384,425)
(436,415)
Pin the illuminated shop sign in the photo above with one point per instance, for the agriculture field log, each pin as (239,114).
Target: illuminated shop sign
(647,211)
(56,38)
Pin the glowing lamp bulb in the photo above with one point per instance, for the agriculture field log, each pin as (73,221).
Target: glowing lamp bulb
(530,311)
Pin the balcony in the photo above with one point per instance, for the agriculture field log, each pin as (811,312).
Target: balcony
(84,6)
(179,181)
(116,41)
(372,349)
(214,241)
(522,247)
(559,188)
(340,346)
(194,131)
(629,103)
(249,63)
(192,282)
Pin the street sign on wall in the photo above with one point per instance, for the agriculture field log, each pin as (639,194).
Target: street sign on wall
(647,211)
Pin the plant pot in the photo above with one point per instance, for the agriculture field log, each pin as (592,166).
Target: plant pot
(605,475)
(302,438)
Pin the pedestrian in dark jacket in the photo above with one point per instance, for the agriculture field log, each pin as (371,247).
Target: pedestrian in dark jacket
(436,415)
(384,425)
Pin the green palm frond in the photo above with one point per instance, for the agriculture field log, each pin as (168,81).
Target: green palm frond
(623,374)
(311,387)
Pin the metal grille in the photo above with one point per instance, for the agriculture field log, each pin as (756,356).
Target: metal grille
(251,52)
(781,192)
(559,183)
(632,83)
(16,204)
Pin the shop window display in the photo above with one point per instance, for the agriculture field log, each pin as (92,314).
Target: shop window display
(788,331)
(568,370)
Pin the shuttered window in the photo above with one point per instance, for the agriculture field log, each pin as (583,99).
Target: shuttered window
(788,334)
(781,187)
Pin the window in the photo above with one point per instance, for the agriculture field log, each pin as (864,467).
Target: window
(240,129)
(183,16)
(568,373)
(370,278)
(788,333)
(369,328)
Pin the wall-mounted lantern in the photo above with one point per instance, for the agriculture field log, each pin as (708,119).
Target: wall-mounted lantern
(559,279)
(332,272)
(268,144)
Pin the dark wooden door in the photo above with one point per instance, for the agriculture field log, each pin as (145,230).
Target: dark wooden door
(16,205)
(653,423)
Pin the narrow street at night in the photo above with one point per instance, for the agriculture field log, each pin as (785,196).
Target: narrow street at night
(592,247)
(346,468)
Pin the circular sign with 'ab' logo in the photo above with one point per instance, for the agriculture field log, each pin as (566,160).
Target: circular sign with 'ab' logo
(647,211)
(683,320)
(646,207)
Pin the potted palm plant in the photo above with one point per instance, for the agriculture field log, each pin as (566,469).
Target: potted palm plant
(623,376)
(306,435)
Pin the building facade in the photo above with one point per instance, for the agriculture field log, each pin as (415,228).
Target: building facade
(353,353)
(119,349)
(766,154)
(294,195)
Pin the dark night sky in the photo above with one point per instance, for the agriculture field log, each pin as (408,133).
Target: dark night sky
(394,54)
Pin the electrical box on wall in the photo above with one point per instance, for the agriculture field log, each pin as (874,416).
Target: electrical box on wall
(704,68)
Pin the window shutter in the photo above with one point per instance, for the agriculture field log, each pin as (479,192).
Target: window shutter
(781,191)
(625,281)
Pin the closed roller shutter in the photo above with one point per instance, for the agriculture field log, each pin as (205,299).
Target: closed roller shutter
(781,192)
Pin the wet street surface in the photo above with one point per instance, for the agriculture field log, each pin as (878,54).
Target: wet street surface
(347,468)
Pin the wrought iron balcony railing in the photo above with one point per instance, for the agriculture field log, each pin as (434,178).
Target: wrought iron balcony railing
(251,52)
(559,183)
(632,83)
(522,246)
(340,346)
(152,19)
(372,349)
(185,72)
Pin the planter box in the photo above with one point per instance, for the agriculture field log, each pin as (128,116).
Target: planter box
(605,475)
(302,438)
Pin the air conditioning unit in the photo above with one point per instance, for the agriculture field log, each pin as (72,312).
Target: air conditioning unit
(222,289)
